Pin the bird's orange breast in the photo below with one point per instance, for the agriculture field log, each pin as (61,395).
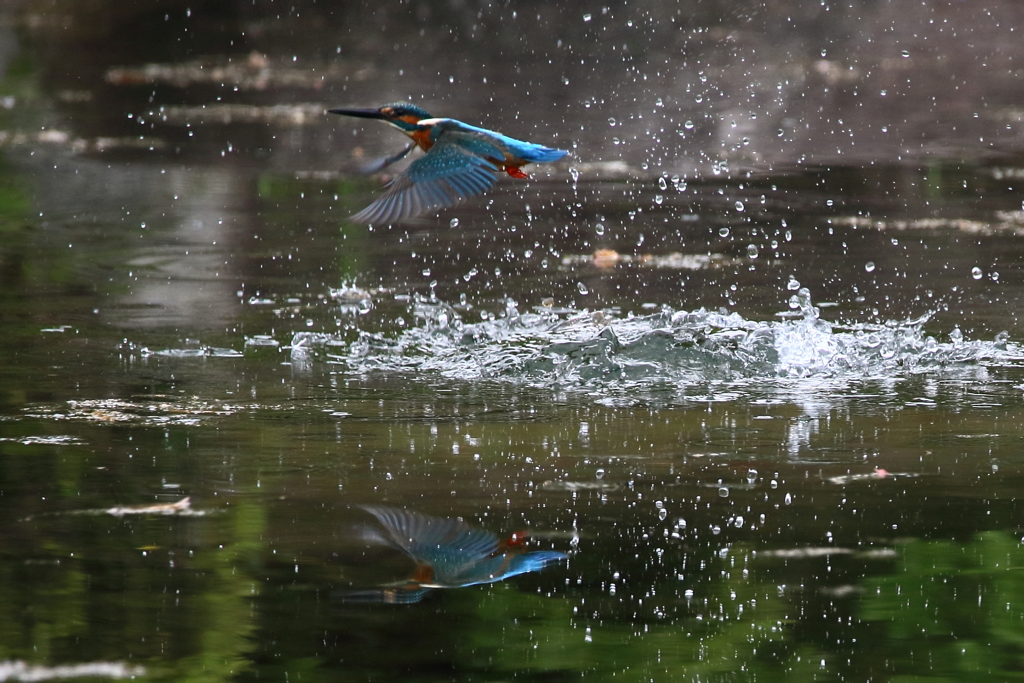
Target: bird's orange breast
(422,139)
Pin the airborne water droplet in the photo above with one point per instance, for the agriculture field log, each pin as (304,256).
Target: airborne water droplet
(454,223)
(752,250)
(583,288)
(869,266)
(976,273)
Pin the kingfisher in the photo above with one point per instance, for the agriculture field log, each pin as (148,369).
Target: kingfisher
(460,161)
(448,554)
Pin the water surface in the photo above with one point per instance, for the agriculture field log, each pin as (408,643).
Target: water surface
(750,358)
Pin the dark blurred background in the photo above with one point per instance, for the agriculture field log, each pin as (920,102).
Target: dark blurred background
(674,85)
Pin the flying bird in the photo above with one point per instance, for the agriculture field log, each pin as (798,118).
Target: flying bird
(460,161)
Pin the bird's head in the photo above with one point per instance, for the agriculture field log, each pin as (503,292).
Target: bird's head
(401,115)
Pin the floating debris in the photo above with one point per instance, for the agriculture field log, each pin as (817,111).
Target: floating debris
(279,114)
(614,169)
(261,341)
(200,352)
(553,485)
(801,553)
(257,72)
(1006,222)
(826,551)
(183,507)
(879,473)
(609,258)
(118,411)
(59,440)
(17,670)
(605,258)
(79,145)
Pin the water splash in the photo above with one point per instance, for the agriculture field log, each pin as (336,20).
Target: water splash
(692,353)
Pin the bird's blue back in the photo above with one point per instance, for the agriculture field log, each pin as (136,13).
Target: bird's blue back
(482,142)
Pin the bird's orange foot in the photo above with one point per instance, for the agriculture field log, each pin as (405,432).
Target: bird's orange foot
(516,173)
(517,539)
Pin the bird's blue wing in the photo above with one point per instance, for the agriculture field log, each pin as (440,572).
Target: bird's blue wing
(441,542)
(447,173)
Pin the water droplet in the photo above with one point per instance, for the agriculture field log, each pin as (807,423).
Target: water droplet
(583,288)
(774,484)
(575,173)
(751,476)
(662,514)
(869,266)
(600,473)
(793,284)
(752,250)
(905,53)
(663,183)
(611,121)
(658,199)
(723,232)
(587,17)
(716,530)
(788,500)
(740,207)
(454,223)
(688,125)
(599,228)
(976,273)
(723,492)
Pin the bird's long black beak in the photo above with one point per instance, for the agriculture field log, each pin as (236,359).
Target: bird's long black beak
(358,113)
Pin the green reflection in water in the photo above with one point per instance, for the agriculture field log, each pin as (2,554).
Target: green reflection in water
(740,627)
(956,610)
(228,621)
(330,202)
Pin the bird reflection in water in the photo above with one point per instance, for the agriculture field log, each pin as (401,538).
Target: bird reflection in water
(448,554)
